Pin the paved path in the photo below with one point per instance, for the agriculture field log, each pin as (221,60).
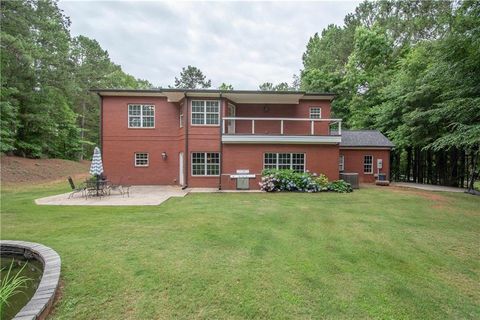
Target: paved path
(428,187)
(139,196)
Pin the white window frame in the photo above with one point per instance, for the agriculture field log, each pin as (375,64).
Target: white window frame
(141,165)
(180,118)
(365,164)
(142,105)
(341,163)
(204,112)
(205,165)
(277,160)
(315,113)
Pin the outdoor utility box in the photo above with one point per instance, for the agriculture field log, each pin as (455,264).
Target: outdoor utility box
(351,178)
(243,183)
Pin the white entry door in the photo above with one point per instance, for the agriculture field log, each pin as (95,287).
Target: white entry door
(181,178)
(231,123)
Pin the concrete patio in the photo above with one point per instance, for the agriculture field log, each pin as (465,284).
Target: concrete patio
(139,196)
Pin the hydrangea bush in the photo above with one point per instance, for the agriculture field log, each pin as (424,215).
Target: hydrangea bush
(289,180)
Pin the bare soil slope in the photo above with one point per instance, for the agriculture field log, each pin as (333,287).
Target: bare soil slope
(17,170)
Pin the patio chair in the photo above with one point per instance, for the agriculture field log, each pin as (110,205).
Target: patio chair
(75,189)
(115,187)
(125,188)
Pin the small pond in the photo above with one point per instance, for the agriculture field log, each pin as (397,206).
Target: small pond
(33,270)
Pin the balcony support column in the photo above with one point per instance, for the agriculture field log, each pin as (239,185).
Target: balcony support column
(312,127)
(253,126)
(281,128)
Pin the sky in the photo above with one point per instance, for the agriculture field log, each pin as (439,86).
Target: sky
(239,43)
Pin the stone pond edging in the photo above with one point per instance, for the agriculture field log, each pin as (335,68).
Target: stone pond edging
(40,304)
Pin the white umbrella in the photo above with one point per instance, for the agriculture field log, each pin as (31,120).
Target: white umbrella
(96,168)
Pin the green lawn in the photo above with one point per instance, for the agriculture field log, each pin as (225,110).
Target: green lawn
(375,253)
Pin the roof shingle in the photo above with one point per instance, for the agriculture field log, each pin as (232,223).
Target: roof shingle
(365,138)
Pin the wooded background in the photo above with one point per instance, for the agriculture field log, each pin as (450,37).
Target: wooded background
(410,69)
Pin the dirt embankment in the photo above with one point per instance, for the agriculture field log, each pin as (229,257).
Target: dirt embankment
(17,170)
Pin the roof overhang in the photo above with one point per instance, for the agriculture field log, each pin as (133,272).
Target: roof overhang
(236,96)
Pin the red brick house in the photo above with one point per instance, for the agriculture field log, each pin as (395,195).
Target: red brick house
(224,139)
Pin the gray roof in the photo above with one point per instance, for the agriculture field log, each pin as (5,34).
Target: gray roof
(365,138)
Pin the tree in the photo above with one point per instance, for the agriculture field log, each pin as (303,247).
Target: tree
(46,107)
(192,78)
(268,86)
(225,86)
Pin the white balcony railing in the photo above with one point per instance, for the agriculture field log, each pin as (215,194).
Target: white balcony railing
(229,126)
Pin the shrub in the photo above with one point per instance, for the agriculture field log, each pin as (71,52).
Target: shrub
(340,186)
(289,180)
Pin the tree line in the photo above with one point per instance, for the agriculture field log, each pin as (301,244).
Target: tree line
(46,107)
(410,69)
(407,68)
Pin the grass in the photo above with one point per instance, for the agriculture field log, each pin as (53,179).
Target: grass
(376,253)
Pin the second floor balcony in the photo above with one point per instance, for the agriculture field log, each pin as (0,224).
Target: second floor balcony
(281,130)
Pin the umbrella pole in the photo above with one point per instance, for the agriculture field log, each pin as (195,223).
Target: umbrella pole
(98,183)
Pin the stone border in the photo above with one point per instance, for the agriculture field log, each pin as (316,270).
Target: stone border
(39,306)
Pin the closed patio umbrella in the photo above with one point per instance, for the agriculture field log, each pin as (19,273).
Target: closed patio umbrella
(96,168)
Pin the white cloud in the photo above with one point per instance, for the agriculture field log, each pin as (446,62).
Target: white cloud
(242,43)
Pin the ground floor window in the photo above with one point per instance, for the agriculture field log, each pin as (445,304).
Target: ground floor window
(368,164)
(341,163)
(205,164)
(141,159)
(293,161)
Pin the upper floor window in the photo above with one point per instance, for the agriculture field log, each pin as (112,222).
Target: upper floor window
(141,116)
(205,112)
(293,161)
(368,164)
(181,120)
(315,113)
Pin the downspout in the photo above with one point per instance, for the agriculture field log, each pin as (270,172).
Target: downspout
(222,114)
(186,141)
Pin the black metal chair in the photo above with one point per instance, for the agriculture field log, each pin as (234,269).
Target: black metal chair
(75,189)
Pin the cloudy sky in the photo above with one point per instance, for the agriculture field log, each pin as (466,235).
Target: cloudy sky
(241,43)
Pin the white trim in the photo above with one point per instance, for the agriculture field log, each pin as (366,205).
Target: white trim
(291,159)
(364,172)
(180,119)
(287,119)
(205,164)
(319,113)
(341,163)
(205,124)
(141,115)
(141,165)
(281,139)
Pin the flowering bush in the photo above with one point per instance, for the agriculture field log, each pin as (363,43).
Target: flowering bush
(340,186)
(289,180)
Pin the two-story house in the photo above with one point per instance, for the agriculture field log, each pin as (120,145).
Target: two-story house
(224,139)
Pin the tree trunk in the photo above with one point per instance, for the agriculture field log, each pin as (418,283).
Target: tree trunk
(462,169)
(475,171)
(409,164)
(82,132)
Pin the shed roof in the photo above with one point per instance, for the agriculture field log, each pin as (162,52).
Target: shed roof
(365,138)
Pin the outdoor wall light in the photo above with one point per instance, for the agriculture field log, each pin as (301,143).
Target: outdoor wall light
(164,155)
